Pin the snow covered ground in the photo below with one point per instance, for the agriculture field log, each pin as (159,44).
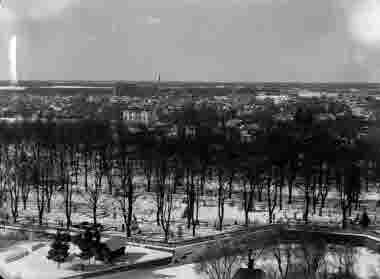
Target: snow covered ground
(178,272)
(145,211)
(35,265)
(30,265)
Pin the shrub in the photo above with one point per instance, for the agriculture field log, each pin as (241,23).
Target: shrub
(59,249)
(364,220)
(102,253)
(85,246)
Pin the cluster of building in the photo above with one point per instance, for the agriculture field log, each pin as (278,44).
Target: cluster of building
(153,104)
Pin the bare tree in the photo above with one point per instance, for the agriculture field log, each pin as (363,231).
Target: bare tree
(271,194)
(66,183)
(95,189)
(12,182)
(147,154)
(313,255)
(167,208)
(108,165)
(247,178)
(39,178)
(344,259)
(125,192)
(283,257)
(164,195)
(85,159)
(219,267)
(3,174)
(14,193)
(222,183)
(24,173)
(50,182)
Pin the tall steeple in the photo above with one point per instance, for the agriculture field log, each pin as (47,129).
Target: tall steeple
(158,81)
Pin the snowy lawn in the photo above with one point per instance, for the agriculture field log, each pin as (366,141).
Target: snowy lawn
(35,265)
(145,211)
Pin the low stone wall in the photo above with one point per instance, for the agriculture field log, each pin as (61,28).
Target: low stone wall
(237,241)
(117,269)
(269,235)
(355,239)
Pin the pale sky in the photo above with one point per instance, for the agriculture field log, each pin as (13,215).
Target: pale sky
(215,40)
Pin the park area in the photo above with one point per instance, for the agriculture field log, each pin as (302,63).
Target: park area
(166,192)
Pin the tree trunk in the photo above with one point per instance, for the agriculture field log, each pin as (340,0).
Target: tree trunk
(68,193)
(94,211)
(271,202)
(14,206)
(322,205)
(166,232)
(306,214)
(367,176)
(110,182)
(307,200)
(230,183)
(220,201)
(357,201)
(290,191)
(188,196)
(203,180)
(86,172)
(48,205)
(130,206)
(315,195)
(149,182)
(246,204)
(158,216)
(282,180)
(344,215)
(40,216)
(260,193)
(125,217)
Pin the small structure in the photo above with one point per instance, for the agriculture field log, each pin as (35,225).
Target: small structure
(139,115)
(247,273)
(365,221)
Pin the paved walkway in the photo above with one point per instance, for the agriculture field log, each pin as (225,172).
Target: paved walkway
(172,245)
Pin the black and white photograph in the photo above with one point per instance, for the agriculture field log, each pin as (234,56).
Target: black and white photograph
(190,139)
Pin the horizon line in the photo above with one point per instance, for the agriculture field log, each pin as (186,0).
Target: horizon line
(188,81)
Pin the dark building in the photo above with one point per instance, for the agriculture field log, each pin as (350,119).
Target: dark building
(123,89)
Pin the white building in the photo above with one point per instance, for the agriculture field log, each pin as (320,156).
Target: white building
(139,116)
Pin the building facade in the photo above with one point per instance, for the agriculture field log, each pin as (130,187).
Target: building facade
(141,116)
